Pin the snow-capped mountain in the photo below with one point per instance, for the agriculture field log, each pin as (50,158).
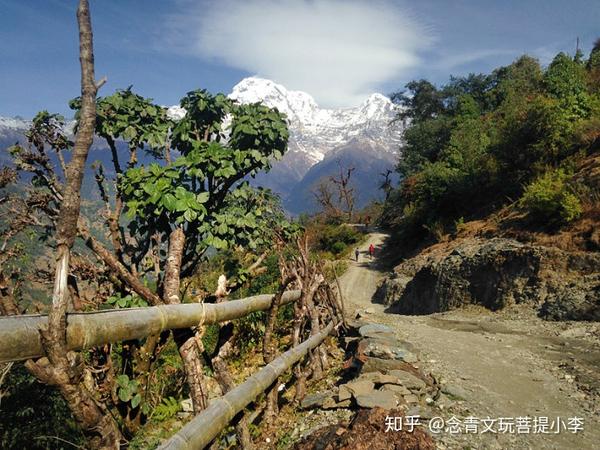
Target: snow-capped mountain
(12,130)
(13,124)
(361,136)
(316,131)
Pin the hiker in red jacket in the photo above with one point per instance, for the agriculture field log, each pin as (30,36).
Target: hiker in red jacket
(371,251)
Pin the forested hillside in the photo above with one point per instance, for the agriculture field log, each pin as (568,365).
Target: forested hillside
(154,294)
(514,136)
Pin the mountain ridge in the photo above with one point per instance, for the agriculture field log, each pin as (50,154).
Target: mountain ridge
(315,133)
(364,136)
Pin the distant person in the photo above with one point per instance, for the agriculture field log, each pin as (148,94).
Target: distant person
(371,251)
(356,253)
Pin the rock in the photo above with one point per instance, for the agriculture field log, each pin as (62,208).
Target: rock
(359,387)
(455,391)
(316,400)
(355,324)
(374,399)
(408,380)
(495,273)
(331,403)
(579,300)
(443,402)
(382,365)
(396,389)
(363,313)
(411,398)
(212,388)
(344,393)
(421,411)
(376,330)
(379,378)
(187,406)
(385,349)
(391,288)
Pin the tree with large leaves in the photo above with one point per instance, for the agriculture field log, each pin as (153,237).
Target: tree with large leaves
(164,213)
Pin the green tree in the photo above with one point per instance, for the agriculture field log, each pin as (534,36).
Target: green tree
(565,80)
(550,199)
(475,142)
(422,101)
(190,195)
(594,59)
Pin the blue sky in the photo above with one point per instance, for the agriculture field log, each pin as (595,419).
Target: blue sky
(337,50)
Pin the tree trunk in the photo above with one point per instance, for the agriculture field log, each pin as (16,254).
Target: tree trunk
(226,381)
(172,278)
(272,398)
(191,355)
(189,347)
(62,367)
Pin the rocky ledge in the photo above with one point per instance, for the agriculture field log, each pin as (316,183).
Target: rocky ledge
(496,273)
(382,377)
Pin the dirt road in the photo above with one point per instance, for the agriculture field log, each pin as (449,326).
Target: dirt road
(503,365)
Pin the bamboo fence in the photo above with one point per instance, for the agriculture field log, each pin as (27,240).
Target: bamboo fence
(20,337)
(207,425)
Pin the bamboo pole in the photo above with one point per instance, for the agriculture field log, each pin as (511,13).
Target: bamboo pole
(207,425)
(20,337)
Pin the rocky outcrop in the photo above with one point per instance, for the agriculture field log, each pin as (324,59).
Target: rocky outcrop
(496,273)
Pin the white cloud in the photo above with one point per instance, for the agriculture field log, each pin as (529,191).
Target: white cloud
(337,50)
(460,59)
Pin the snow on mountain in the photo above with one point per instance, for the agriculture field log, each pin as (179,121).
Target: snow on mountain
(315,131)
(13,125)
(362,136)
(176,112)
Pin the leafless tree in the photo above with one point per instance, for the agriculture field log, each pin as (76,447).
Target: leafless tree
(335,194)
(386,184)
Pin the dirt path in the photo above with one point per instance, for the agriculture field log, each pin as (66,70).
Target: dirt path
(502,365)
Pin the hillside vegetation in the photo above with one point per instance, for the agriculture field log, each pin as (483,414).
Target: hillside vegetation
(511,137)
(500,199)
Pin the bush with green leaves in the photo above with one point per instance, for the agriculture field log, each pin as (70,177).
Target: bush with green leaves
(550,198)
(202,190)
(128,390)
(336,238)
(166,409)
(126,301)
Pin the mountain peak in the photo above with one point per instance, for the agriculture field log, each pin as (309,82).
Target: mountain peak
(296,105)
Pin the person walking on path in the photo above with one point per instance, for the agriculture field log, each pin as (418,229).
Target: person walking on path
(371,251)
(356,253)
